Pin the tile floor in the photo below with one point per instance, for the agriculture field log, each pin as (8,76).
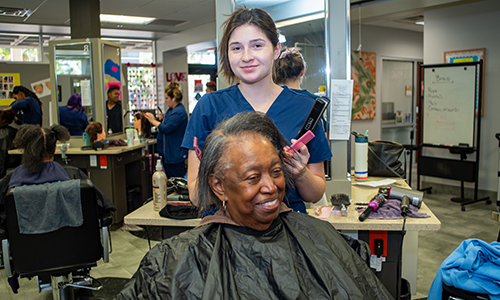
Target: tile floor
(433,247)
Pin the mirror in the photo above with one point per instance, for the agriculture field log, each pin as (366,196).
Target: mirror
(73,69)
(112,89)
(309,38)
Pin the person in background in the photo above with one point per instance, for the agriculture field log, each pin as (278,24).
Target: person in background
(254,247)
(211,87)
(29,104)
(7,135)
(72,116)
(114,110)
(95,132)
(289,70)
(247,52)
(171,132)
(38,165)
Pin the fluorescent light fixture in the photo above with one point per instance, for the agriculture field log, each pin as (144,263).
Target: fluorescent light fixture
(14,12)
(420,23)
(300,20)
(126,19)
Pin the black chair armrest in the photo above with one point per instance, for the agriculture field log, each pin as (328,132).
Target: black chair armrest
(106,219)
(3,233)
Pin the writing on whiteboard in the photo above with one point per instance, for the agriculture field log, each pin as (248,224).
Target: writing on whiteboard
(442,79)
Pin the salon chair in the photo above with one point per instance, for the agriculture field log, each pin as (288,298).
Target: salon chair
(58,253)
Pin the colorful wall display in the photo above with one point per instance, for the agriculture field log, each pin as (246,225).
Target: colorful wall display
(363,73)
(7,83)
(41,87)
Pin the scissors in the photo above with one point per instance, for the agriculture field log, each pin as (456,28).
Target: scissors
(196,148)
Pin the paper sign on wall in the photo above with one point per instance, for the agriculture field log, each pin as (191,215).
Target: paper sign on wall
(86,93)
(340,109)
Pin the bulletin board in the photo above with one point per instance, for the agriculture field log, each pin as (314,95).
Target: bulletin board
(448,108)
(7,83)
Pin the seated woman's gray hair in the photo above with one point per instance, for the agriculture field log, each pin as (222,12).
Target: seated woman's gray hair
(212,161)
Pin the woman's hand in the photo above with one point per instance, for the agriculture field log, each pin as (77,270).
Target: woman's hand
(309,178)
(151,119)
(299,158)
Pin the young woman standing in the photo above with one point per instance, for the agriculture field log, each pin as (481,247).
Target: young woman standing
(248,49)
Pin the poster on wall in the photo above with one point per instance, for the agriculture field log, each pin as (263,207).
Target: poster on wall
(41,87)
(7,83)
(471,55)
(363,74)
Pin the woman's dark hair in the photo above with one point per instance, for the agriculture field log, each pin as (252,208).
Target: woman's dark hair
(93,129)
(112,88)
(288,67)
(214,157)
(27,93)
(242,16)
(173,90)
(145,124)
(75,102)
(7,117)
(38,143)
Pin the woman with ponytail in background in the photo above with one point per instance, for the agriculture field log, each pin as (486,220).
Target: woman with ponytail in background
(29,104)
(171,132)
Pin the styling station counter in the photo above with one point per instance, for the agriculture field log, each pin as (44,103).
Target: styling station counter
(370,231)
(121,173)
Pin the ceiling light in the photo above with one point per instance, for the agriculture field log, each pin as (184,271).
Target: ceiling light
(420,23)
(300,20)
(14,12)
(126,19)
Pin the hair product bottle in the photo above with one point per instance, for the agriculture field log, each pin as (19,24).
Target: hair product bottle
(159,187)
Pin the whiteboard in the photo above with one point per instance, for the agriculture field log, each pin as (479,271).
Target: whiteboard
(448,105)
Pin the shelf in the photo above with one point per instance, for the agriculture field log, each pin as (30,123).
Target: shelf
(397,125)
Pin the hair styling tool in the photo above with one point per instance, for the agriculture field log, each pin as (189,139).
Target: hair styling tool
(375,203)
(303,140)
(405,209)
(314,116)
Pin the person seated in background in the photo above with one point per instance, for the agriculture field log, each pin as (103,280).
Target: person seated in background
(211,87)
(72,116)
(7,135)
(142,124)
(28,103)
(38,165)
(254,247)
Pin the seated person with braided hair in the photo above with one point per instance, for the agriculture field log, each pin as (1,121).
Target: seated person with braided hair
(38,165)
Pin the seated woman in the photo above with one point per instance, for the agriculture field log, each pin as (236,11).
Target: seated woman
(72,116)
(7,135)
(39,167)
(254,247)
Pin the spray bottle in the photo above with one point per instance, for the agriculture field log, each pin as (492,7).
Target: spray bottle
(159,187)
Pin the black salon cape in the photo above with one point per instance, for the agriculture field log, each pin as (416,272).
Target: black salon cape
(298,257)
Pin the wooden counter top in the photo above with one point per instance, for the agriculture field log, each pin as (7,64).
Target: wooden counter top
(107,151)
(145,215)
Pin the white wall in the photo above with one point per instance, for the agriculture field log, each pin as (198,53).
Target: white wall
(465,27)
(387,43)
(182,39)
